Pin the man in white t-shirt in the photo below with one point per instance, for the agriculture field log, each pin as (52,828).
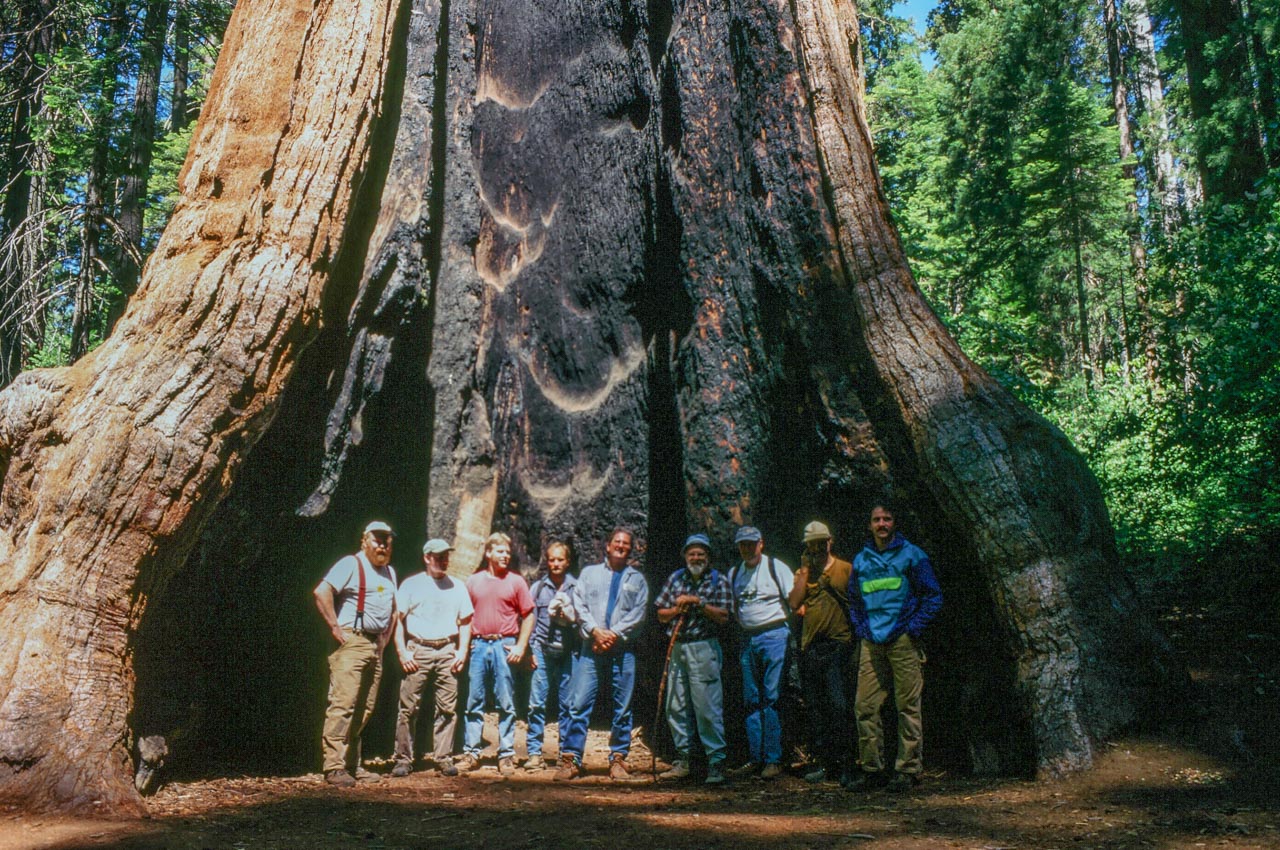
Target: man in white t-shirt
(357,599)
(435,611)
(760,585)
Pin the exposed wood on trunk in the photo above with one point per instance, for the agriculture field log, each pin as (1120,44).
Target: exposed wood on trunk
(112,465)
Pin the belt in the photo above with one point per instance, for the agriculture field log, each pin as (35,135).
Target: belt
(370,635)
(439,643)
(767,627)
(491,638)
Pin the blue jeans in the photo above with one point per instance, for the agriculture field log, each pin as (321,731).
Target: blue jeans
(695,698)
(763,657)
(488,667)
(588,670)
(550,683)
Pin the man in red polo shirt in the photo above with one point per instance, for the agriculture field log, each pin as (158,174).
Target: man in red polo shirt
(500,632)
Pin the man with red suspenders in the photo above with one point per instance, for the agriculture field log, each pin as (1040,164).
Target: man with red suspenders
(357,599)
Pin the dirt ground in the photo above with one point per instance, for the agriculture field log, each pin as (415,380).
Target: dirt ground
(1212,783)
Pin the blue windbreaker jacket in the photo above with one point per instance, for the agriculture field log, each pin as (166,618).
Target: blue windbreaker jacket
(892,592)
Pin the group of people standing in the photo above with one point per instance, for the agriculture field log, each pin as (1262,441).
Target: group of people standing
(858,619)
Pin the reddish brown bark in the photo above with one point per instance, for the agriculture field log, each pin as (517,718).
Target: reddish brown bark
(112,465)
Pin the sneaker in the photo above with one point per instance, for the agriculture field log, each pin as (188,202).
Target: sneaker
(865,781)
(745,771)
(367,775)
(340,778)
(536,762)
(816,775)
(903,782)
(447,767)
(771,771)
(507,766)
(402,768)
(679,770)
(467,762)
(618,768)
(715,776)
(569,769)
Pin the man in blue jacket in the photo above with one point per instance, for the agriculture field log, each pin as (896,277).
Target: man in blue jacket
(610,599)
(893,596)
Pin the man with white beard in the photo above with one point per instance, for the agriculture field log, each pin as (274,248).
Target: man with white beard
(695,695)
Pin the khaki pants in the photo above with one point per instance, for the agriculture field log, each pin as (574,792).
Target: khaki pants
(881,667)
(354,671)
(434,671)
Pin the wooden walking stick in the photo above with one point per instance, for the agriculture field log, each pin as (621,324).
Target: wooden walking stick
(662,691)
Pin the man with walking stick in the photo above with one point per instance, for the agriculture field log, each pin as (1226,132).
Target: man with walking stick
(693,604)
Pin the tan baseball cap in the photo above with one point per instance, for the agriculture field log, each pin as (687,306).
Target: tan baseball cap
(816,531)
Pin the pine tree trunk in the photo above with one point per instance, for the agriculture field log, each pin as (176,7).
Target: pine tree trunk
(93,220)
(1137,247)
(1155,117)
(139,149)
(608,264)
(19,235)
(179,104)
(1228,142)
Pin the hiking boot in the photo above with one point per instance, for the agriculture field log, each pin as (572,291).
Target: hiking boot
(865,781)
(467,762)
(745,771)
(715,776)
(340,778)
(402,768)
(771,771)
(507,766)
(569,769)
(816,775)
(679,770)
(447,767)
(535,762)
(903,782)
(618,768)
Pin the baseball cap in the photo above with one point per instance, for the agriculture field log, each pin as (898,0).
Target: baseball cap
(816,531)
(379,525)
(698,540)
(748,534)
(436,546)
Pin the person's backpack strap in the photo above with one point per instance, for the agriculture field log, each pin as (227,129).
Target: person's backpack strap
(782,597)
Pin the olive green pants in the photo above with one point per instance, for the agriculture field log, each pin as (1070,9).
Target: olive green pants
(354,671)
(894,665)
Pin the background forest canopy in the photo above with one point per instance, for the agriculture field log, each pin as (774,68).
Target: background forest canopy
(1086,190)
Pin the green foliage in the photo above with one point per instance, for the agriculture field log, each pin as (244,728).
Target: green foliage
(1002,167)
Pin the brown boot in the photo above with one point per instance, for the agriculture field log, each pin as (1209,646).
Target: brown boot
(618,768)
(569,769)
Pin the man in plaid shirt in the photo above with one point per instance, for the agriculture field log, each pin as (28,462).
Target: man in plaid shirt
(701,597)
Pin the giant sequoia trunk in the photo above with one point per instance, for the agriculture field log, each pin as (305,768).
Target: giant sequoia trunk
(543,267)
